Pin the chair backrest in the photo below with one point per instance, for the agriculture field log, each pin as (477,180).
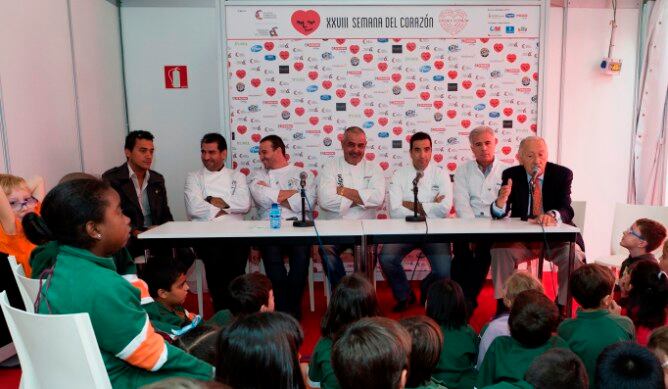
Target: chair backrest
(55,351)
(580,208)
(626,214)
(28,287)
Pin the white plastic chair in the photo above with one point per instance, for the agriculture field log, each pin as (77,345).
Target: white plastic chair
(625,216)
(55,351)
(28,287)
(579,208)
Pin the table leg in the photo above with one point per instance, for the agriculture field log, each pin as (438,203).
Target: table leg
(571,264)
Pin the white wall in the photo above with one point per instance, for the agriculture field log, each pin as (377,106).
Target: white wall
(46,124)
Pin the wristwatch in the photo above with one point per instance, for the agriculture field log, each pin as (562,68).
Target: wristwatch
(208,199)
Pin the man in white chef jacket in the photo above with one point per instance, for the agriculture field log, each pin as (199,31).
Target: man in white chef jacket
(349,187)
(434,201)
(280,182)
(218,193)
(477,184)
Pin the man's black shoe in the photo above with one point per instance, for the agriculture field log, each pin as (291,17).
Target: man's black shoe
(403,305)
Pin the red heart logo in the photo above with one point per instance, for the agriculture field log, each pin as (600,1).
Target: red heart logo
(466,123)
(370,156)
(305,22)
(396,39)
(494,103)
(255,82)
(368,112)
(313,120)
(438,104)
(269,46)
(451,113)
(354,49)
(511,57)
(271,91)
(522,118)
(339,137)
(506,150)
(314,172)
(439,64)
(340,41)
(467,84)
(484,40)
(241,73)
(381,216)
(382,66)
(367,57)
(534,127)
(234,165)
(452,74)
(525,67)
(355,101)
(498,47)
(326,84)
(410,86)
(424,95)
(328,128)
(410,46)
(452,166)
(245,171)
(382,121)
(340,93)
(480,93)
(408,137)
(535,76)
(285,102)
(397,130)
(256,137)
(287,157)
(384,165)
(396,77)
(299,164)
(507,111)
(299,111)
(425,55)
(438,157)
(299,66)
(313,75)
(242,129)
(284,54)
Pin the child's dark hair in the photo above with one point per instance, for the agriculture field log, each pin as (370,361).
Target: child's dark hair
(200,342)
(371,354)
(533,318)
(65,211)
(353,299)
(161,273)
(627,365)
(648,297)
(557,368)
(652,232)
(258,351)
(248,293)
(446,304)
(590,284)
(427,343)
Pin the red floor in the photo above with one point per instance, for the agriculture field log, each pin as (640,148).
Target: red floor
(9,378)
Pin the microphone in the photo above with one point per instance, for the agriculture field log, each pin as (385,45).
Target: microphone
(416,217)
(534,171)
(417,178)
(302,179)
(303,222)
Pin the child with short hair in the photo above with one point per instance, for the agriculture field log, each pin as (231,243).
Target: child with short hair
(86,219)
(353,299)
(557,368)
(517,283)
(18,198)
(447,306)
(643,237)
(658,344)
(647,289)
(533,318)
(372,353)
(250,293)
(627,365)
(200,342)
(427,343)
(598,323)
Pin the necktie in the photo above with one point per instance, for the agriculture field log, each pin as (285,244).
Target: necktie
(537,198)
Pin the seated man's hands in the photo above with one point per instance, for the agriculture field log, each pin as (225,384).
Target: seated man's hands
(544,219)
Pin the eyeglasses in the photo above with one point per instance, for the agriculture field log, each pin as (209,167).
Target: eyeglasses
(18,205)
(636,234)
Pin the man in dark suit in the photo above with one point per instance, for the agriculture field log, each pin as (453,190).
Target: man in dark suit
(539,192)
(142,191)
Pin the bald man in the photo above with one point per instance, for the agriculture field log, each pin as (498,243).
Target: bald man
(549,203)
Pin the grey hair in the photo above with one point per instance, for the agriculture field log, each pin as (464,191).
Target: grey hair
(480,130)
(532,138)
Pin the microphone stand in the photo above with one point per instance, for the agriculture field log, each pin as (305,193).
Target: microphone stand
(303,222)
(531,199)
(415,217)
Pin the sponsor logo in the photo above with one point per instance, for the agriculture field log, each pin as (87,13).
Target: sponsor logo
(367,84)
(396,144)
(452,87)
(327,141)
(270,57)
(507,124)
(383,40)
(484,52)
(325,97)
(510,16)
(283,69)
(479,107)
(253,108)
(397,49)
(311,88)
(367,124)
(256,48)
(494,114)
(326,55)
(254,149)
(340,107)
(383,134)
(510,29)
(298,135)
(439,77)
(453,48)
(425,69)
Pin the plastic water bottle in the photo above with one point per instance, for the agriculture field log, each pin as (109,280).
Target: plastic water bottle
(275,216)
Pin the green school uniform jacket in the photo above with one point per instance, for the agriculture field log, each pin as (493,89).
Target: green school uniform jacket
(165,320)
(507,360)
(44,256)
(133,353)
(320,368)
(456,366)
(590,332)
(433,383)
